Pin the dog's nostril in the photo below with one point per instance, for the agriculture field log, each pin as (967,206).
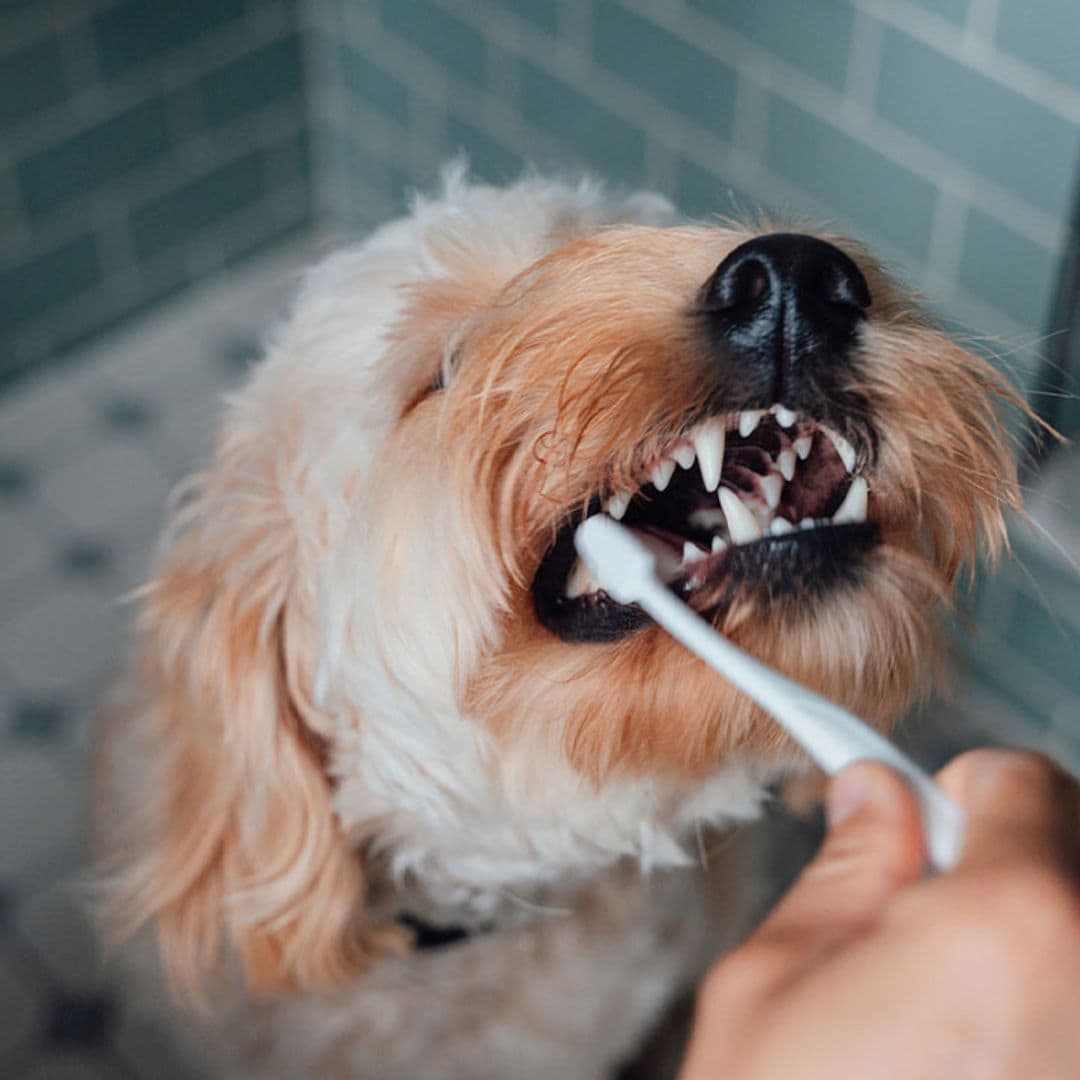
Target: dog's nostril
(742,285)
(849,290)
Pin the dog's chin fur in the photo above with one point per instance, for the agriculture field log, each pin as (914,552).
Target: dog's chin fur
(341,699)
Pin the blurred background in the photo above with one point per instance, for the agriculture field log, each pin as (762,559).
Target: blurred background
(168,167)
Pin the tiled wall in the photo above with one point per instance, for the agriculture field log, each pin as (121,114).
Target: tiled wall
(144,144)
(944,132)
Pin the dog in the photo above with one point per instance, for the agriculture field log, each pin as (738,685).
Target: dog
(400,791)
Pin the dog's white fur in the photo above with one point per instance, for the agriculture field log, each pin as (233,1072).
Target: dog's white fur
(603,910)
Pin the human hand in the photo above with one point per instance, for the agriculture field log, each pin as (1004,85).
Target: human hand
(868,970)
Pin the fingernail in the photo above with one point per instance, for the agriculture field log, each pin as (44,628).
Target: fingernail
(847,794)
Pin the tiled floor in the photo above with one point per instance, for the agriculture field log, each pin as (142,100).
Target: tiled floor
(87,458)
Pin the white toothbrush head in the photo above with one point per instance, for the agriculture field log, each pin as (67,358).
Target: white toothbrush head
(623,566)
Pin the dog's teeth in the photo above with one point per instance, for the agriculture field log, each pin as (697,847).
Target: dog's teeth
(785,462)
(718,545)
(742,525)
(662,473)
(772,487)
(853,508)
(784,416)
(708,439)
(807,523)
(843,448)
(580,581)
(802,446)
(691,553)
(708,519)
(617,504)
(748,420)
(779,526)
(684,455)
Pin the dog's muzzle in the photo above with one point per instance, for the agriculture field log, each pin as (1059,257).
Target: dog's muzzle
(766,491)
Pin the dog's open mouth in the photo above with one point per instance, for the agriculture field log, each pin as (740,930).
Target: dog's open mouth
(767,500)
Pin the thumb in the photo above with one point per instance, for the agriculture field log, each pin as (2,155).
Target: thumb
(873,848)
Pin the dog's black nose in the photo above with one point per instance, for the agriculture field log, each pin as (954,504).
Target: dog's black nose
(783,299)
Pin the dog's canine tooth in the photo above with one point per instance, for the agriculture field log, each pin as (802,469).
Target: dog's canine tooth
(691,553)
(684,455)
(785,417)
(843,448)
(772,486)
(662,473)
(853,508)
(802,446)
(708,441)
(785,462)
(748,420)
(717,544)
(617,504)
(779,526)
(742,525)
(580,581)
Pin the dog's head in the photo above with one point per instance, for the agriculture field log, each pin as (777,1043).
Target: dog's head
(371,613)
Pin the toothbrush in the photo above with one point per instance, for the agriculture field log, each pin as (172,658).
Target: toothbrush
(832,736)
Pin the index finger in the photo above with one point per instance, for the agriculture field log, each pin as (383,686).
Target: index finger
(1020,806)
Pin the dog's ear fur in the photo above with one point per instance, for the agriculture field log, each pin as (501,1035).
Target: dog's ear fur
(231,840)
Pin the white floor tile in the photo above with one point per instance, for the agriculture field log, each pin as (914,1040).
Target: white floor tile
(54,921)
(114,483)
(24,551)
(41,810)
(49,419)
(61,639)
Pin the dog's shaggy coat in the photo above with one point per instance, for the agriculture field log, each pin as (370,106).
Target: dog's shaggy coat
(342,706)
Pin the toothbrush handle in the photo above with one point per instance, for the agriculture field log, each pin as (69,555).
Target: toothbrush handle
(831,735)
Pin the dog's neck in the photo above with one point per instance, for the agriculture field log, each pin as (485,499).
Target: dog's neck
(494,835)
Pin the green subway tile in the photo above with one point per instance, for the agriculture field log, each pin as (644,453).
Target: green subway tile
(85,162)
(812,36)
(31,79)
(32,287)
(137,31)
(173,218)
(602,139)
(1007,270)
(954,10)
(488,158)
(289,161)
(383,93)
(704,194)
(1045,639)
(674,72)
(362,167)
(544,14)
(272,234)
(252,82)
(993,132)
(1048,40)
(857,183)
(445,38)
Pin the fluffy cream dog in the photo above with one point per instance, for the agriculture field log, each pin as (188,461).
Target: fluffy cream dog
(373,695)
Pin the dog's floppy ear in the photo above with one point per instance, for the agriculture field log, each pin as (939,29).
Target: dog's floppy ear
(230,842)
